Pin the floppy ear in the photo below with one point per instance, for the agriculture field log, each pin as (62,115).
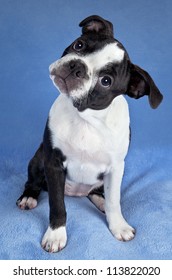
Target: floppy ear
(96,24)
(141,84)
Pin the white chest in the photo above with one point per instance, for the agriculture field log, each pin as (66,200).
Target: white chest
(89,140)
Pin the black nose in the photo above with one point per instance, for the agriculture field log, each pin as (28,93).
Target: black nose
(78,68)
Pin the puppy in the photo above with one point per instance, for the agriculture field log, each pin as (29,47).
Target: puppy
(87,134)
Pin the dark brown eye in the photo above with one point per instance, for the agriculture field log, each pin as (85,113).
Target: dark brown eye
(78,46)
(106,81)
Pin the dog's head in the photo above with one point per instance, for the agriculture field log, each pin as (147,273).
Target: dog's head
(96,68)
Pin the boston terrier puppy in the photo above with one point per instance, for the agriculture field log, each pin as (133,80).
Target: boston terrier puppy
(87,133)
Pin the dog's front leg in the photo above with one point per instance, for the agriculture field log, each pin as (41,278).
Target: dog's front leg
(117,224)
(55,237)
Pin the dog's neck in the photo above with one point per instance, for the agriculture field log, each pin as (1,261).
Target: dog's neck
(92,116)
(97,118)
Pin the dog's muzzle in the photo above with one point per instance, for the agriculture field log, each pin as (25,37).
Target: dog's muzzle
(69,76)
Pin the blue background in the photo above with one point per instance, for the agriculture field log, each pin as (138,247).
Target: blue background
(33,34)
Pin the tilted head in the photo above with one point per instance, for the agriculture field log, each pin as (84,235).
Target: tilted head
(96,68)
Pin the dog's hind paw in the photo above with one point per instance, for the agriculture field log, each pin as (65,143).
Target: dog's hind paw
(54,240)
(26,203)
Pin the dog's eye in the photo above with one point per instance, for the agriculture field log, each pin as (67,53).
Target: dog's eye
(78,46)
(106,81)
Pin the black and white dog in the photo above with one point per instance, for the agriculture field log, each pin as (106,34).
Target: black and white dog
(88,130)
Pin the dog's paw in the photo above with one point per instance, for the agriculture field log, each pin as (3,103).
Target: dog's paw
(123,231)
(26,203)
(98,201)
(54,240)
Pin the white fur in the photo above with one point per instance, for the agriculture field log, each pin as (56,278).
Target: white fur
(109,54)
(91,139)
(54,240)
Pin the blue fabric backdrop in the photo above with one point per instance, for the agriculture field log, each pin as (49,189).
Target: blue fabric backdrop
(33,34)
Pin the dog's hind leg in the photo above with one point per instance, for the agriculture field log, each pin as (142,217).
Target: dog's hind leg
(35,183)
(96,196)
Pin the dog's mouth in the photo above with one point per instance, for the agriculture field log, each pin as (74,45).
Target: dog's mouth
(66,83)
(60,83)
(80,104)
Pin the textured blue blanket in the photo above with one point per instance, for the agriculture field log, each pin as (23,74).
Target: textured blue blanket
(34,34)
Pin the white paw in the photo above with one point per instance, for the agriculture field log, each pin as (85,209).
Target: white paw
(54,240)
(27,203)
(122,231)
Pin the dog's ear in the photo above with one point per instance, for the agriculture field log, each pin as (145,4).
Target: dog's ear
(96,24)
(141,84)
